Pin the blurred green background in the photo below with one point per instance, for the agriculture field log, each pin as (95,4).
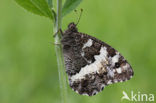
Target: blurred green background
(28,67)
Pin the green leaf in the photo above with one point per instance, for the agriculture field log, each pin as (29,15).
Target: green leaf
(43,6)
(70,5)
(27,4)
(50,3)
(39,7)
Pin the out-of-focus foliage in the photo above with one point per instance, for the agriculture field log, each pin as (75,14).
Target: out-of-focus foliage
(28,68)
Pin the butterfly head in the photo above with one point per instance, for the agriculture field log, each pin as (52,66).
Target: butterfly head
(72,27)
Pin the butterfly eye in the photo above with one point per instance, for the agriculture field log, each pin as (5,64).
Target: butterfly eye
(95,92)
(117,65)
(102,88)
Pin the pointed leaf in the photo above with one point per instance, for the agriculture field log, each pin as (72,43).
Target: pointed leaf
(70,5)
(34,8)
(27,4)
(43,6)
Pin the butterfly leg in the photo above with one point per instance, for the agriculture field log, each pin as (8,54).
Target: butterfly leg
(59,31)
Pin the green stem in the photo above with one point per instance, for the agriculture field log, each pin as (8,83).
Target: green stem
(59,53)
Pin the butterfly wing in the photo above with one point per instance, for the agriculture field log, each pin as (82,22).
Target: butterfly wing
(92,64)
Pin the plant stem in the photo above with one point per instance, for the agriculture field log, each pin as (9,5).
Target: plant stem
(59,53)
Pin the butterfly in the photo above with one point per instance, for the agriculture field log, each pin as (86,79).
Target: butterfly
(90,63)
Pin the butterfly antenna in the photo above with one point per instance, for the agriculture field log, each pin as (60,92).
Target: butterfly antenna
(79,16)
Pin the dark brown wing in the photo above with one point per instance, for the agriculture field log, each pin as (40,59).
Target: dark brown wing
(92,64)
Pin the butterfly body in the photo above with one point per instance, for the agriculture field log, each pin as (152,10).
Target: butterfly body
(92,64)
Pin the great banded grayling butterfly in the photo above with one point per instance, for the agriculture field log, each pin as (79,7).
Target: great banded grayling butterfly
(90,63)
